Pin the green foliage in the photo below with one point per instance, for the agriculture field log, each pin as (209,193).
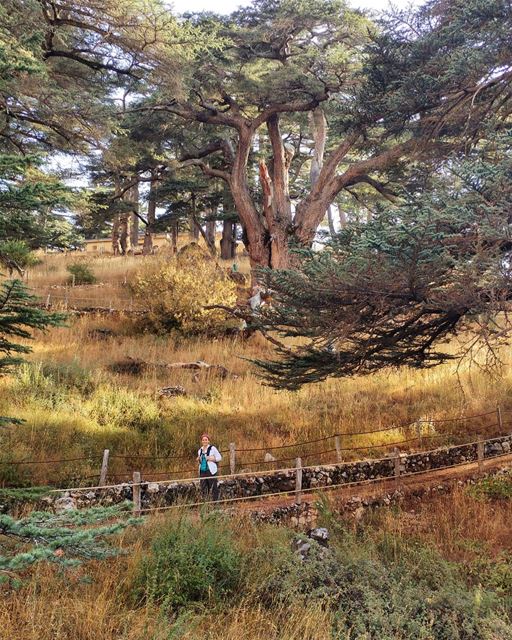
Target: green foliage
(175,293)
(53,385)
(18,318)
(69,386)
(80,273)
(190,562)
(119,407)
(383,590)
(64,539)
(16,255)
(494,488)
(392,291)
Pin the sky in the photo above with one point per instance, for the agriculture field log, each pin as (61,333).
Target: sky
(226,6)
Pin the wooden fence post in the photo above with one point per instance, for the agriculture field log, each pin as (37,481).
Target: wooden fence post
(337,444)
(396,453)
(419,434)
(298,481)
(232,457)
(104,467)
(480,451)
(48,301)
(500,419)
(136,493)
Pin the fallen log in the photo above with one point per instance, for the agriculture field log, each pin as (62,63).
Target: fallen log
(135,366)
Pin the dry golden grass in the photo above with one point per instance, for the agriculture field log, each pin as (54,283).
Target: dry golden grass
(52,606)
(240,410)
(114,273)
(456,524)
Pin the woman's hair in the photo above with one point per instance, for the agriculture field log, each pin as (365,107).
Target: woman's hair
(205,435)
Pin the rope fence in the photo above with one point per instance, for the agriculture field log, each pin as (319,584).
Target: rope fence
(236,460)
(397,477)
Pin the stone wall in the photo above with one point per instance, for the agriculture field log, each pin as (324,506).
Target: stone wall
(155,494)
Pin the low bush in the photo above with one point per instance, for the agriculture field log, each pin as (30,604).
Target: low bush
(80,273)
(377,591)
(175,295)
(495,488)
(190,562)
(118,407)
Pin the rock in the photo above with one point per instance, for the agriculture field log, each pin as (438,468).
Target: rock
(320,534)
(172,392)
(269,458)
(153,487)
(66,503)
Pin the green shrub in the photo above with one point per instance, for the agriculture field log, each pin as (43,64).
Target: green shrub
(80,273)
(16,252)
(494,487)
(118,407)
(52,384)
(175,293)
(381,593)
(190,562)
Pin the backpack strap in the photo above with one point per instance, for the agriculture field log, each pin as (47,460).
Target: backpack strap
(209,449)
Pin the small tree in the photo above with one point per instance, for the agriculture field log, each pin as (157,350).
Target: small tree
(64,539)
(19,316)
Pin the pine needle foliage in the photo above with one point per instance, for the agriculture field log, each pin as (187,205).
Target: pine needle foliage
(393,291)
(65,539)
(19,317)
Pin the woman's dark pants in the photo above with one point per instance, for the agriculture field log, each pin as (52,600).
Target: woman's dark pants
(209,486)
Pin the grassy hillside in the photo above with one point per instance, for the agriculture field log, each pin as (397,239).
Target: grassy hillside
(75,404)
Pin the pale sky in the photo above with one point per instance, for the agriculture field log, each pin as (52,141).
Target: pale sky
(226,6)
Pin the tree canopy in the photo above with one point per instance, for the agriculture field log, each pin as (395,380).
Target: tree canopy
(393,291)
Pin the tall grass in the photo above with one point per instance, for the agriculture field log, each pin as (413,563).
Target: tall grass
(73,405)
(450,556)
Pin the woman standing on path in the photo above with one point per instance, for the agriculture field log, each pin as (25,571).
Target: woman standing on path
(208,456)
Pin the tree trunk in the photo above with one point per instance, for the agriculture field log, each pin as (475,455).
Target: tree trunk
(228,240)
(193,227)
(123,232)
(174,236)
(132,198)
(330,221)
(117,218)
(210,233)
(115,234)
(148,235)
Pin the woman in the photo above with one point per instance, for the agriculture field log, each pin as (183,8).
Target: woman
(208,456)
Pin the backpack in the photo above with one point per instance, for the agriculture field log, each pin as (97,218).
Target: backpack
(204,463)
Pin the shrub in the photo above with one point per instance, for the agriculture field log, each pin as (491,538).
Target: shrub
(175,294)
(80,273)
(494,487)
(118,407)
(16,252)
(189,562)
(381,593)
(50,384)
